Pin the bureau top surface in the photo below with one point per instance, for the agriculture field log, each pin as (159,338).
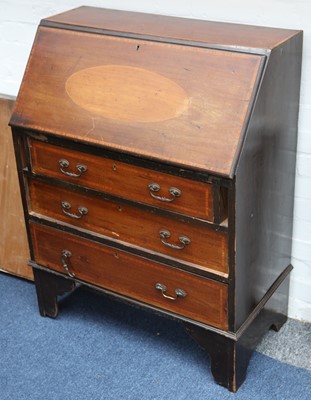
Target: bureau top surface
(226,34)
(186,105)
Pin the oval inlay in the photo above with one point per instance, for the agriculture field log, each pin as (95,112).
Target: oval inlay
(127,93)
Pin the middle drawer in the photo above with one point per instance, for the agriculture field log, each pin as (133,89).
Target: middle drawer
(192,242)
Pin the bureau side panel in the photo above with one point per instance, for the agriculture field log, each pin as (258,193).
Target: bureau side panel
(265,179)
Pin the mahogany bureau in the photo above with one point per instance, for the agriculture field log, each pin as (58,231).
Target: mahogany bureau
(156,158)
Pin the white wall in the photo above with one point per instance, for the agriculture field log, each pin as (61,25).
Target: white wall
(18,23)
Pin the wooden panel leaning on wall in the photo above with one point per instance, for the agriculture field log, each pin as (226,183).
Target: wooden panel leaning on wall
(14,253)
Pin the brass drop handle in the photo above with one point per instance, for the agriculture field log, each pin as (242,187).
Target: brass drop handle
(67,206)
(155,187)
(66,254)
(63,163)
(163,289)
(165,234)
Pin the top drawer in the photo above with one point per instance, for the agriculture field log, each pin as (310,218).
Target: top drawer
(128,181)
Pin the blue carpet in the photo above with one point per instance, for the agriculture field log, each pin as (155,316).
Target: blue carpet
(99,348)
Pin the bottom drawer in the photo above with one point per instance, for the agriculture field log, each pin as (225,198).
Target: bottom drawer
(192,296)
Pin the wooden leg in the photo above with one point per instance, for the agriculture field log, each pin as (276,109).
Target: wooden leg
(48,287)
(230,355)
(228,361)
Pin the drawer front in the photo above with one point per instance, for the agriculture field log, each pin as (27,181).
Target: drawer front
(201,299)
(125,180)
(194,243)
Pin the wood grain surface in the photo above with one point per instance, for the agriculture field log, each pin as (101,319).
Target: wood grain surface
(208,249)
(179,28)
(201,129)
(14,253)
(123,180)
(136,277)
(116,92)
